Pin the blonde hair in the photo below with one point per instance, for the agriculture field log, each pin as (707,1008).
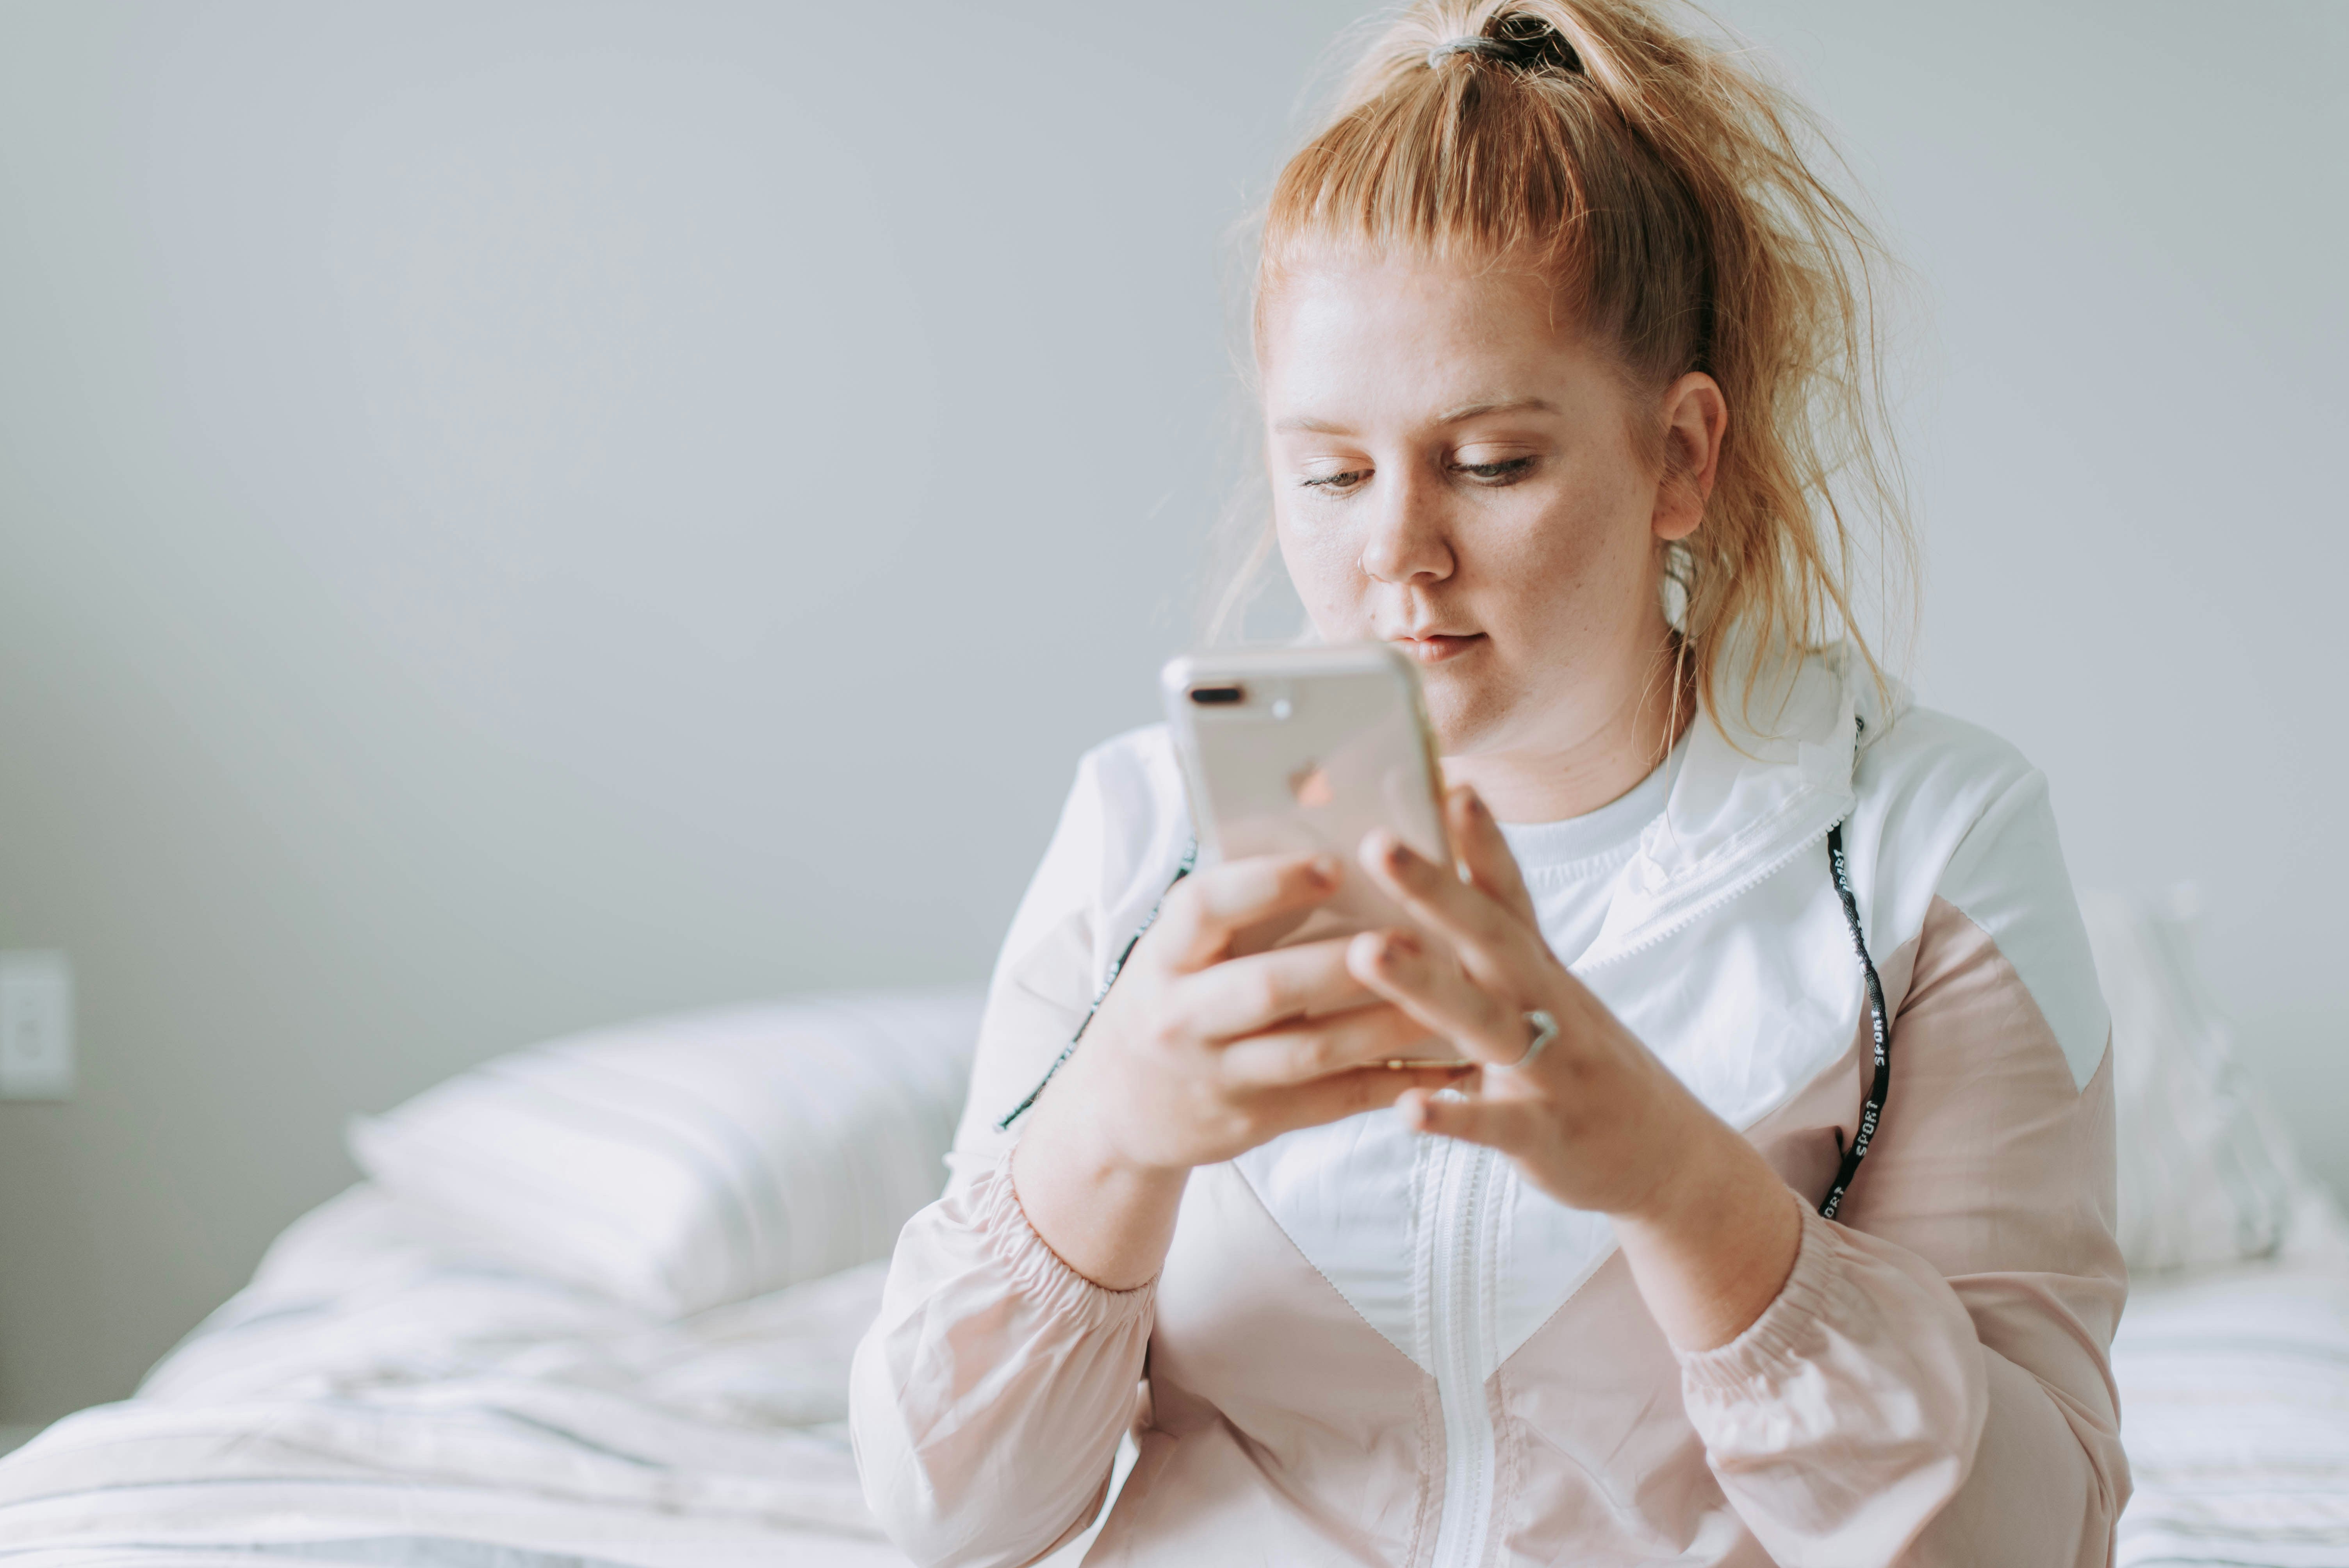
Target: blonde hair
(1662,184)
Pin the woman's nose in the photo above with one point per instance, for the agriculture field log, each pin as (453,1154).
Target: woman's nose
(1407,540)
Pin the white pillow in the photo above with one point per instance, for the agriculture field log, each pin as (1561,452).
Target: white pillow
(683,1162)
(2208,1175)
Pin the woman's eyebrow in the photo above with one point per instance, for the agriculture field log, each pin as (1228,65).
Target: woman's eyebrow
(1449,417)
(1496,406)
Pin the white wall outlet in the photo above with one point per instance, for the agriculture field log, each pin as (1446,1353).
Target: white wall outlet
(36,1026)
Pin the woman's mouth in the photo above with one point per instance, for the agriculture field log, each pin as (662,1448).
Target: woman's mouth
(1438,647)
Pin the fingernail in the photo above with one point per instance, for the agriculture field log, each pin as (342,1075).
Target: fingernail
(1325,870)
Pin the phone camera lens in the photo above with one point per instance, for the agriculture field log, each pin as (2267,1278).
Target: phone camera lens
(1213,695)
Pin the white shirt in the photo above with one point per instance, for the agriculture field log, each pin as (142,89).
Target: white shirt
(1569,866)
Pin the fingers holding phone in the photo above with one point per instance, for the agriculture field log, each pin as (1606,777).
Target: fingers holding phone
(1199,1054)
(1208,916)
(1235,1020)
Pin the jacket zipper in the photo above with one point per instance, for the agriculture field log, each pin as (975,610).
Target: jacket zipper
(1458,1284)
(1460,1331)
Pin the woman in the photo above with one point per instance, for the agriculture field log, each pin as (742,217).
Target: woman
(1558,343)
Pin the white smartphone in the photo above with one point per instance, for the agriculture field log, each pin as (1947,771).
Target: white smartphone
(1299,750)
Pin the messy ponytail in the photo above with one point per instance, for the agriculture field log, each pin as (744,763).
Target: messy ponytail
(1661,185)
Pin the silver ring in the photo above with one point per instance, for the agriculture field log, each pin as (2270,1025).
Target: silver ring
(1544,1029)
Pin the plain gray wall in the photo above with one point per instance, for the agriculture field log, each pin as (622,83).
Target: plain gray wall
(519,515)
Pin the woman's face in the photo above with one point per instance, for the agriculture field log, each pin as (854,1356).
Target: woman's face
(1453,472)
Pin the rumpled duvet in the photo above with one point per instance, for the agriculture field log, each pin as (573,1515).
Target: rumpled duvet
(384,1393)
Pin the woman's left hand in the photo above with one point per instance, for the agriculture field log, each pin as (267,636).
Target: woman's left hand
(1595,1120)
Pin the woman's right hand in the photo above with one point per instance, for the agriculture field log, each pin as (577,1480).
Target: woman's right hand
(1198,1055)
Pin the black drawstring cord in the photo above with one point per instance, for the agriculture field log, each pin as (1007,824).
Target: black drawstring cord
(1190,859)
(1879,1027)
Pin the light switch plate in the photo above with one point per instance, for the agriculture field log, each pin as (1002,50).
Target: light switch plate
(36,1025)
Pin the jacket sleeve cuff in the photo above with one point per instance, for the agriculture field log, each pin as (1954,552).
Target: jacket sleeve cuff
(1034,1270)
(1787,1334)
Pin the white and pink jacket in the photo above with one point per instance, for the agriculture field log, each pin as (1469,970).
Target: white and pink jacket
(1370,1347)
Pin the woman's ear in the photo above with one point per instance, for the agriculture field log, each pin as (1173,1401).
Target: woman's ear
(1696,418)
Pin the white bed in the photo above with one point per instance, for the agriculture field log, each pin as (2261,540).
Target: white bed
(2235,1409)
(387,1392)
(593,1311)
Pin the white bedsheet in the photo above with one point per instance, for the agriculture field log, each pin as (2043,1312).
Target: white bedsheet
(383,1394)
(2235,1410)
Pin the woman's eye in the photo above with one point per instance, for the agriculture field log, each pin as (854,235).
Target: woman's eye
(1506,470)
(1337,483)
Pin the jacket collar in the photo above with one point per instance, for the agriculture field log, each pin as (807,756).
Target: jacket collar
(1758,786)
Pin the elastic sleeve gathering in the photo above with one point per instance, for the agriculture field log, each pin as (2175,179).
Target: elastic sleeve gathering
(1932,1384)
(988,1399)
